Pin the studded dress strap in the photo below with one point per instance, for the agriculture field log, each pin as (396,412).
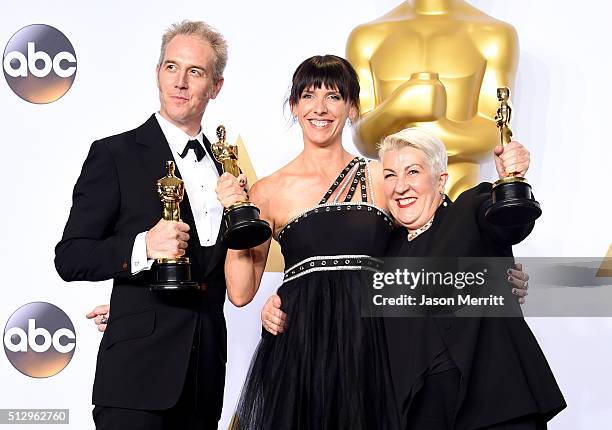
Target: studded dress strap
(358,178)
(339,180)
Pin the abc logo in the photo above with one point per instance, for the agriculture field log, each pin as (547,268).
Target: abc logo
(39,63)
(39,339)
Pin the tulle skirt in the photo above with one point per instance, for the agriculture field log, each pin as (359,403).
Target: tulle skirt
(328,370)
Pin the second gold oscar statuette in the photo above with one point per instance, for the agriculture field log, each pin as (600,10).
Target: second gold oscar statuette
(244,227)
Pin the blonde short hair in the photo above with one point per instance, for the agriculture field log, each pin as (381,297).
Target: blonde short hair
(204,32)
(430,145)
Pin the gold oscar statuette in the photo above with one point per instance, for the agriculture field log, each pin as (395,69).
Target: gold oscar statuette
(434,64)
(244,228)
(172,273)
(512,200)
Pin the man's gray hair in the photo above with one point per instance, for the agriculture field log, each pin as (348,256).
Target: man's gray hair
(430,145)
(205,32)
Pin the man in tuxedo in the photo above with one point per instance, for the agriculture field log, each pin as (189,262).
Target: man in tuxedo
(161,362)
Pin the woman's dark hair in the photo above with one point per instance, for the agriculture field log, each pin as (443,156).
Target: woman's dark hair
(330,71)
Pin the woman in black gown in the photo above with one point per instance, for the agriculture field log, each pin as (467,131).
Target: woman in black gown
(459,373)
(329,369)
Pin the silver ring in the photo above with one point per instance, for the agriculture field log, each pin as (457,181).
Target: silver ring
(104,319)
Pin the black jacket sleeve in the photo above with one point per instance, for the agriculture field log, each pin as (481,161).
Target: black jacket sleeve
(91,249)
(500,235)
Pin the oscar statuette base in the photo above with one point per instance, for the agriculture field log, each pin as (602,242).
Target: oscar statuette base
(512,203)
(244,228)
(172,275)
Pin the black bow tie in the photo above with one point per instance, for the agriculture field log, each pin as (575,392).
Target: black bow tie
(197,149)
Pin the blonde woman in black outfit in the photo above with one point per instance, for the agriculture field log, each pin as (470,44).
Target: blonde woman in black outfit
(471,373)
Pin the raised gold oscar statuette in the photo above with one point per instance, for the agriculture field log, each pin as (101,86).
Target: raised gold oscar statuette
(244,228)
(172,273)
(512,200)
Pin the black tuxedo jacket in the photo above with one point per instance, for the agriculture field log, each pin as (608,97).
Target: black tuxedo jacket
(145,351)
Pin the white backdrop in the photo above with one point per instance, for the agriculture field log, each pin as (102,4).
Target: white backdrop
(561,105)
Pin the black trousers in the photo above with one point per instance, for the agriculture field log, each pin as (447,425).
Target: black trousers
(188,413)
(434,407)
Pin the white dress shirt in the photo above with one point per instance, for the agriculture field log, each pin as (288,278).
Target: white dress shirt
(200,178)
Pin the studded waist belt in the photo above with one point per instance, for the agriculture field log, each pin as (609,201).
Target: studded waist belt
(323,263)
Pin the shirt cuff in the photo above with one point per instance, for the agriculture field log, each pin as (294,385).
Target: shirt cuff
(139,260)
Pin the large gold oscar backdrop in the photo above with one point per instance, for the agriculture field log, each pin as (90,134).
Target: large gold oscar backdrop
(437,65)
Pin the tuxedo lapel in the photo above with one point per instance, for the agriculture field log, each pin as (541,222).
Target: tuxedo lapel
(156,150)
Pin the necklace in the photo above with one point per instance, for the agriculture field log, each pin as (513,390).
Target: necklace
(413,234)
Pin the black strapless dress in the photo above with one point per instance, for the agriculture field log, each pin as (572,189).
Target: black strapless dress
(329,369)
